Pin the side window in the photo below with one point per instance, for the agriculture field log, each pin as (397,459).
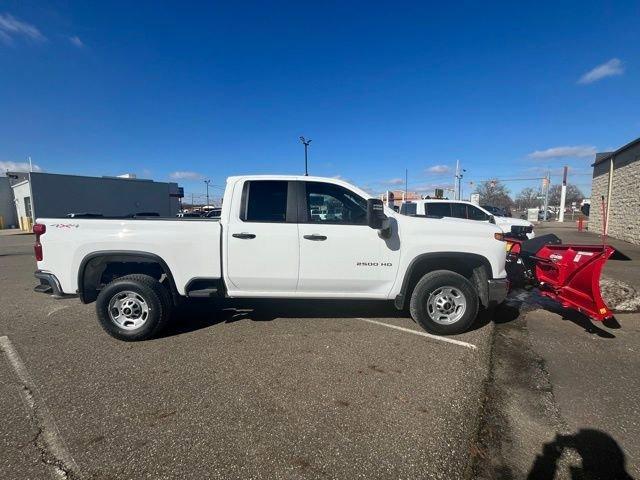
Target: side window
(409,208)
(329,203)
(265,201)
(459,210)
(476,214)
(439,209)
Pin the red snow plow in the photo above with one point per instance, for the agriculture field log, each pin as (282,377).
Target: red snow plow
(568,274)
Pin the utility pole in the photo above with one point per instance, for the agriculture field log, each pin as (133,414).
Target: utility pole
(406,183)
(30,165)
(547,182)
(306,143)
(207,182)
(456,180)
(563,194)
(457,184)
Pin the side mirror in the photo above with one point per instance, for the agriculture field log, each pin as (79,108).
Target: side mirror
(492,219)
(375,214)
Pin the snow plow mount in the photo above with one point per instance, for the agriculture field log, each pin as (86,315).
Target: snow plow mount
(568,274)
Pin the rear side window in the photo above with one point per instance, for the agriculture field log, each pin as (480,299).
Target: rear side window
(459,210)
(439,209)
(266,201)
(409,208)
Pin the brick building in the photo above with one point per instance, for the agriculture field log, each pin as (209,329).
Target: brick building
(616,177)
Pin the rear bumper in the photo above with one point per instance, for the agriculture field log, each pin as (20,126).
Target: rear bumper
(49,284)
(498,290)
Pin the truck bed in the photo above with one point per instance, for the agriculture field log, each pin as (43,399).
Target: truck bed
(190,247)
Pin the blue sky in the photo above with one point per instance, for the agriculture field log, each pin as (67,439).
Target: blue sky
(193,90)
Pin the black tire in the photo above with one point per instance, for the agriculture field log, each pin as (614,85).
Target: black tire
(148,292)
(463,290)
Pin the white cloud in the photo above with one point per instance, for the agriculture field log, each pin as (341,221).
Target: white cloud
(11,27)
(76,42)
(186,175)
(17,167)
(564,152)
(439,169)
(395,181)
(608,69)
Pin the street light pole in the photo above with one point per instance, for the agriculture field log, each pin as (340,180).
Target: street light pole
(207,182)
(306,143)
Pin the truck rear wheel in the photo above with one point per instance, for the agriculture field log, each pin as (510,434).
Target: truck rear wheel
(444,302)
(133,307)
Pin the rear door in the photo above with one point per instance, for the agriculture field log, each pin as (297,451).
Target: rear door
(340,255)
(262,240)
(438,209)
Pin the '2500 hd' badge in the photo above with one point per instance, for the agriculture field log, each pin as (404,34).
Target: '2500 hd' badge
(373,264)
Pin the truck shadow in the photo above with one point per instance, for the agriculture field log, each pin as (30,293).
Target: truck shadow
(528,300)
(197,315)
(601,457)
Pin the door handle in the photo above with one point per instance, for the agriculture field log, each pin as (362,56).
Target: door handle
(317,238)
(245,236)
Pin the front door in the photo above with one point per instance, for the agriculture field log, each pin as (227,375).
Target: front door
(262,240)
(340,255)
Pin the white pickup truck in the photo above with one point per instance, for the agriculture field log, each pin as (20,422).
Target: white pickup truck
(279,237)
(463,209)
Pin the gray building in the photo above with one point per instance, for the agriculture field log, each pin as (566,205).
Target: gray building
(616,177)
(8,218)
(38,195)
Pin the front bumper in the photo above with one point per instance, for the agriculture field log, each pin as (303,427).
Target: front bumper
(49,284)
(498,290)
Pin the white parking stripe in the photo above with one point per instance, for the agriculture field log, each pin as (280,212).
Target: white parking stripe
(422,334)
(62,461)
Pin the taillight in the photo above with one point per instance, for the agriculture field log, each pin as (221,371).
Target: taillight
(38,229)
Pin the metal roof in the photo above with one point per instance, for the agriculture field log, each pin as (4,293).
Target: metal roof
(606,156)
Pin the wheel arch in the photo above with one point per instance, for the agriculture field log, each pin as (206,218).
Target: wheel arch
(475,267)
(93,266)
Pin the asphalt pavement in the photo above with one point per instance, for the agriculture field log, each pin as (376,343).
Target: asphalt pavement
(313,389)
(564,395)
(237,390)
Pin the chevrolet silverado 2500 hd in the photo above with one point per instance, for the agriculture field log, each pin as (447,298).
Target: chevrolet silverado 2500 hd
(278,237)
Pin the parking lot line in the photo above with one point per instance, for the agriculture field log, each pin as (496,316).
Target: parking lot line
(422,334)
(54,448)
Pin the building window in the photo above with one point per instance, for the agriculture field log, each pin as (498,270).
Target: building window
(27,207)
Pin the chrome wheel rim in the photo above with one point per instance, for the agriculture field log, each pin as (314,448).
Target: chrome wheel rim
(446,305)
(128,310)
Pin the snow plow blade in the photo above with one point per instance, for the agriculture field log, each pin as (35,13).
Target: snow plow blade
(568,274)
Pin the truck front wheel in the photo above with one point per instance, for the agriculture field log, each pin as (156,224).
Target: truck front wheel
(444,302)
(133,307)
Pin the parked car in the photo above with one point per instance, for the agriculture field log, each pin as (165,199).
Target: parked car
(214,213)
(189,215)
(551,215)
(467,210)
(268,244)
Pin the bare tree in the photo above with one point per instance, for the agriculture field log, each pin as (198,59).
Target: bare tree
(573,194)
(528,198)
(494,193)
